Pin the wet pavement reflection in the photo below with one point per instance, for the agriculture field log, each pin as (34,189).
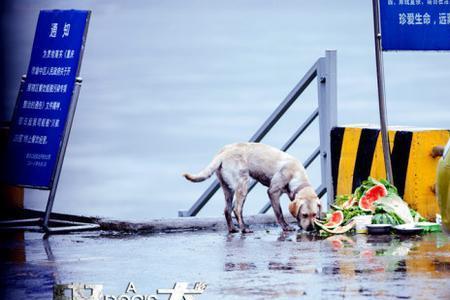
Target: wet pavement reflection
(262,265)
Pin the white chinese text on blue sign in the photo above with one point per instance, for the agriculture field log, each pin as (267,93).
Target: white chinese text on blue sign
(42,107)
(415,24)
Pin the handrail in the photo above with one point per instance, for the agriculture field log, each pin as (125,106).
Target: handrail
(284,106)
(325,70)
(300,130)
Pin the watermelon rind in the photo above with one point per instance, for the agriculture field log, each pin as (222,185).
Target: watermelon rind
(337,230)
(384,218)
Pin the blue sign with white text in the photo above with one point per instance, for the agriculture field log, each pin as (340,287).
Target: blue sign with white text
(42,107)
(415,24)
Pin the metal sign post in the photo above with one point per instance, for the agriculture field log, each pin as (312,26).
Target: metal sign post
(381,92)
(406,25)
(60,159)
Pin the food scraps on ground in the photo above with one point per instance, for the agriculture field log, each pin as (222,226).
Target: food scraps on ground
(337,230)
(378,199)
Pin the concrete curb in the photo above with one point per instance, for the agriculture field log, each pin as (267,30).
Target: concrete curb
(183,224)
(166,225)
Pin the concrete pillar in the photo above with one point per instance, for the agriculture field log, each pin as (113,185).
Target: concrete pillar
(11,198)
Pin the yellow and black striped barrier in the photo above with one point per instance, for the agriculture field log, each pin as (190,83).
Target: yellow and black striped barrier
(356,153)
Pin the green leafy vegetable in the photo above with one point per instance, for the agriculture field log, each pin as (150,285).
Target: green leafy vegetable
(390,188)
(352,212)
(341,199)
(416,216)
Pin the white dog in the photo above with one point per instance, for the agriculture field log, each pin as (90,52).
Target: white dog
(279,171)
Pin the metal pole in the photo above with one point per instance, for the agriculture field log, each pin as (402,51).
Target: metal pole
(327,102)
(381,91)
(62,152)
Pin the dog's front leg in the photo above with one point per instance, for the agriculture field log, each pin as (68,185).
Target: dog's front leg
(274,195)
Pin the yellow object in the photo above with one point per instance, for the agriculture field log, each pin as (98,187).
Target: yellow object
(347,163)
(378,170)
(443,188)
(421,176)
(356,153)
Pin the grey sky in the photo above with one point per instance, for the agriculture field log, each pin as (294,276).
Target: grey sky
(167,83)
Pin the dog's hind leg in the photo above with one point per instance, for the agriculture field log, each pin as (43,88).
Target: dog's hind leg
(228,193)
(240,194)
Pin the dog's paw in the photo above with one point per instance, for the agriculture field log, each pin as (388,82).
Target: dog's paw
(246,230)
(288,228)
(233,230)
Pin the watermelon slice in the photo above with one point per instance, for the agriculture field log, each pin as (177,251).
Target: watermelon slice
(335,219)
(337,230)
(373,194)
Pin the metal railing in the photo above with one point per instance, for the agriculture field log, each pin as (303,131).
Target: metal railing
(324,69)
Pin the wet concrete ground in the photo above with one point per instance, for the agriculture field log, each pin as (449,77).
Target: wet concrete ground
(264,265)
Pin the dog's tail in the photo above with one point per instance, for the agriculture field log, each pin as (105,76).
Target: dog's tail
(206,172)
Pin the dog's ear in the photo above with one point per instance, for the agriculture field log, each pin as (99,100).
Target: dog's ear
(319,205)
(294,207)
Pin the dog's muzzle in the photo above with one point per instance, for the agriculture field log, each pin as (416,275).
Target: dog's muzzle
(310,227)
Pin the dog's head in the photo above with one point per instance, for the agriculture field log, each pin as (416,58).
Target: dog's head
(305,208)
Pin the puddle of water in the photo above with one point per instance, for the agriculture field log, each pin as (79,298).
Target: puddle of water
(265,264)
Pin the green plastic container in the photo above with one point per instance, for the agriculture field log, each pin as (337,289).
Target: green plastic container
(429,226)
